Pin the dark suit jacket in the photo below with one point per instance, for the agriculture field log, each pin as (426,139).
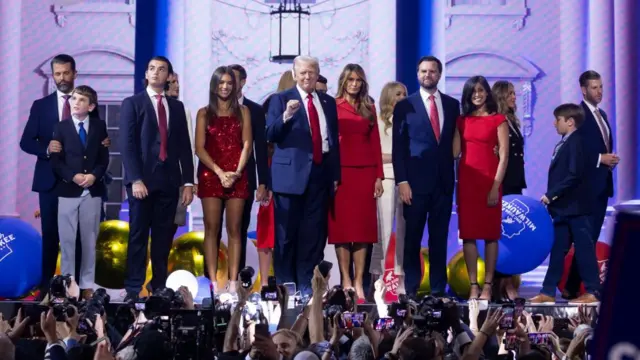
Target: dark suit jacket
(76,159)
(569,189)
(36,137)
(258,159)
(514,179)
(602,180)
(293,153)
(140,141)
(416,155)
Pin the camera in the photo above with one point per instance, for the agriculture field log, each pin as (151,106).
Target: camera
(91,309)
(246,276)
(221,317)
(191,333)
(161,303)
(270,291)
(58,286)
(429,317)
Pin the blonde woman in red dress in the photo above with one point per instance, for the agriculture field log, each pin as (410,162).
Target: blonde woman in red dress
(223,144)
(353,215)
(480,173)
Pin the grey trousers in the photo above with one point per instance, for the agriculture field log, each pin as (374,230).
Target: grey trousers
(82,211)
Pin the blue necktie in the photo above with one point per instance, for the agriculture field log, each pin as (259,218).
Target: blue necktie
(83,134)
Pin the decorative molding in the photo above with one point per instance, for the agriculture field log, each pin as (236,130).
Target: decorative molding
(509,8)
(496,66)
(63,12)
(113,83)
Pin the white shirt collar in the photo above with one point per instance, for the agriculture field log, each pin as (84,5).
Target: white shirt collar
(153,94)
(61,94)
(590,106)
(304,94)
(241,100)
(425,95)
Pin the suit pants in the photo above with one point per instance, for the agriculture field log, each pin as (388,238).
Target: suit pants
(156,212)
(576,229)
(301,230)
(435,210)
(596,220)
(79,213)
(50,236)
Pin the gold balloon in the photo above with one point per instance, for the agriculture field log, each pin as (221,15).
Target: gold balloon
(459,278)
(187,253)
(58,262)
(425,283)
(111,254)
(148,277)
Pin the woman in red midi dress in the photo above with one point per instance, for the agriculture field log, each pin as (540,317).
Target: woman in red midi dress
(223,146)
(353,215)
(479,197)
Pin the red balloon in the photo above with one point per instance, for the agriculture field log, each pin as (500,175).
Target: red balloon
(602,254)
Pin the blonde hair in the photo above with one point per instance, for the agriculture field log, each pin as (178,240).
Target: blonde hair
(388,102)
(500,91)
(286,81)
(364,106)
(291,335)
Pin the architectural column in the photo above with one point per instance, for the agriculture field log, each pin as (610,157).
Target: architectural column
(197,70)
(175,35)
(10,34)
(573,44)
(382,45)
(438,48)
(626,90)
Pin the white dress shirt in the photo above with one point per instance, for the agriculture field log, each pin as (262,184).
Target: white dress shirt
(154,101)
(321,116)
(61,101)
(85,122)
(427,104)
(593,110)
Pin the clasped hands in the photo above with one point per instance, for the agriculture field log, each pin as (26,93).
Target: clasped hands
(84,180)
(228,178)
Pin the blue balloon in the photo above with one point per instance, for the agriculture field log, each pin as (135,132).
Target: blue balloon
(20,257)
(203,289)
(527,235)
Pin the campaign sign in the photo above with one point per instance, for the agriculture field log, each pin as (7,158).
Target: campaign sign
(617,335)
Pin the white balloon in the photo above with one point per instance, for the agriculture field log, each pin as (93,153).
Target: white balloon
(180,278)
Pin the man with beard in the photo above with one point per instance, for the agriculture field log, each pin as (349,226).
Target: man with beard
(423,127)
(36,140)
(173,91)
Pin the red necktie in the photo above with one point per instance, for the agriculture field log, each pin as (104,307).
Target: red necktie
(433,117)
(66,108)
(314,122)
(162,126)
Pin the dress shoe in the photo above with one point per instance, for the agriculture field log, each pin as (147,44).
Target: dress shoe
(586,299)
(86,294)
(131,297)
(567,295)
(542,299)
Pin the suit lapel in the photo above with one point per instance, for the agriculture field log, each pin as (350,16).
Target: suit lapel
(421,111)
(71,128)
(448,123)
(93,132)
(53,104)
(303,111)
(150,109)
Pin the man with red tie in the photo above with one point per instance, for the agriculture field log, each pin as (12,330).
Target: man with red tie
(422,155)
(305,171)
(157,160)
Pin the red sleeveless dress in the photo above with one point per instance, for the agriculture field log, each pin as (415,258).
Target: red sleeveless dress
(224,145)
(266,231)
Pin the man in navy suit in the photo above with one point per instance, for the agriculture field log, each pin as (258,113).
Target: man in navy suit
(422,155)
(305,172)
(569,200)
(598,136)
(257,161)
(37,140)
(157,160)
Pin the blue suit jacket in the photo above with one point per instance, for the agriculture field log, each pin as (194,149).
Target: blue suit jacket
(76,159)
(36,136)
(293,154)
(417,157)
(258,159)
(569,189)
(602,180)
(140,141)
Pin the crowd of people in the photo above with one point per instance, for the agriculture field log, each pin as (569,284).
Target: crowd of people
(330,326)
(325,169)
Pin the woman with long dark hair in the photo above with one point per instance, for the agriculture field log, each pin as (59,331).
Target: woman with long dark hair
(480,129)
(353,216)
(514,180)
(223,146)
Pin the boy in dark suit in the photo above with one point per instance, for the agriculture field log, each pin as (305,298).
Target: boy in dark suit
(569,201)
(80,166)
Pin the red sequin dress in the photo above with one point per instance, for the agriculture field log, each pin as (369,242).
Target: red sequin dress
(224,145)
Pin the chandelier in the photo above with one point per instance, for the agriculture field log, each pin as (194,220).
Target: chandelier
(290,31)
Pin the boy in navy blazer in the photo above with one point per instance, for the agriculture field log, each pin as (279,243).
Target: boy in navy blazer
(80,167)
(569,200)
